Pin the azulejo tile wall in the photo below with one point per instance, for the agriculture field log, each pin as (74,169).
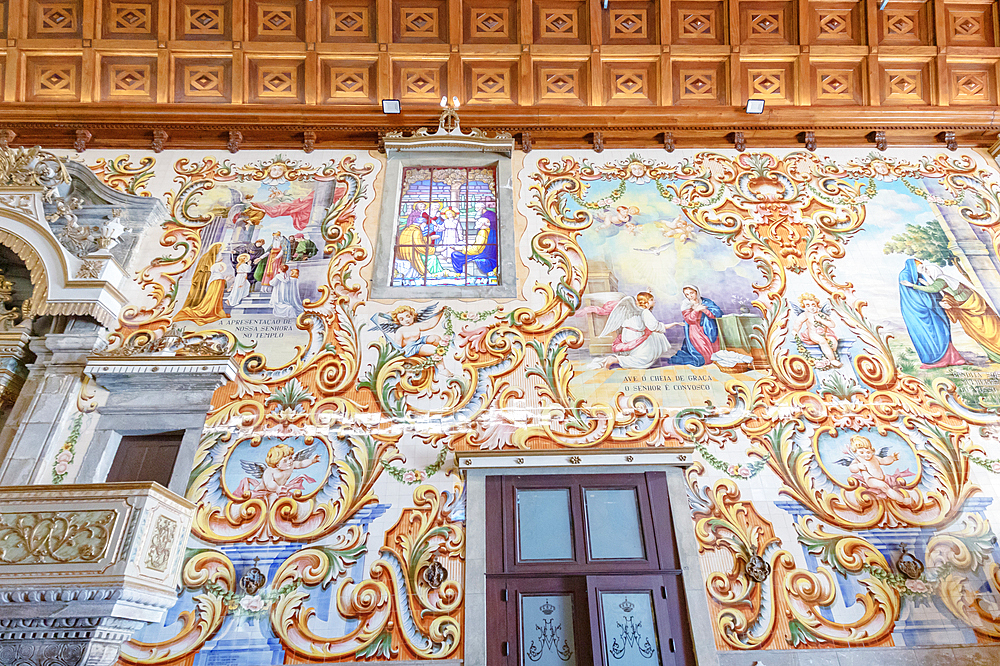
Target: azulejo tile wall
(819,328)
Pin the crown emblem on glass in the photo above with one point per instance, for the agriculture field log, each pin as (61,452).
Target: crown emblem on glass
(547,608)
(626,605)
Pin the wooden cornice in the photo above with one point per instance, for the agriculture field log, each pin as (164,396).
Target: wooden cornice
(209,126)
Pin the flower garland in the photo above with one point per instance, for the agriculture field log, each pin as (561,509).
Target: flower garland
(68,451)
(449,329)
(921,588)
(241,604)
(418,363)
(931,197)
(820,363)
(992,464)
(413,476)
(743,471)
(615,195)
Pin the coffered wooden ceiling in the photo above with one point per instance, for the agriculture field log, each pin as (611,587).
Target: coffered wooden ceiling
(560,70)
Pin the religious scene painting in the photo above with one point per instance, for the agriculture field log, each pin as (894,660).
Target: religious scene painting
(447,229)
(812,336)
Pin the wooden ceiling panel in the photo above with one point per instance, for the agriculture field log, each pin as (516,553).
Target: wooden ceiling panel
(515,59)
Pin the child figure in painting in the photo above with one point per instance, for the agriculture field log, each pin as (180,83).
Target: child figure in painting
(272,479)
(816,328)
(620,217)
(867,469)
(410,330)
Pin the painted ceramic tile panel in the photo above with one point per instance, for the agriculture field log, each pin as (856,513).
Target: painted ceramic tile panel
(819,328)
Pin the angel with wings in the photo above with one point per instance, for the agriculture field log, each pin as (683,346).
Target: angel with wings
(407,330)
(641,340)
(208,288)
(866,466)
(815,327)
(271,480)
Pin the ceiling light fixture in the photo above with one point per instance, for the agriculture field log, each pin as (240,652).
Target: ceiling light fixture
(390,106)
(755,106)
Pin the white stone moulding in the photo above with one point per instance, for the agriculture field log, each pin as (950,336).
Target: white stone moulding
(82,567)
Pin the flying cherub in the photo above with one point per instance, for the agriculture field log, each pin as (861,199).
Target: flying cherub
(271,479)
(815,327)
(677,231)
(407,330)
(866,466)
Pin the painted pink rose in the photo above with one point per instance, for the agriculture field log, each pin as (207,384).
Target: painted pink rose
(64,456)
(745,471)
(252,604)
(733,470)
(995,467)
(61,468)
(409,477)
(918,586)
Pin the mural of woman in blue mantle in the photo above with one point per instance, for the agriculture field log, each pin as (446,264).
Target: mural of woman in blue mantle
(701,331)
(926,321)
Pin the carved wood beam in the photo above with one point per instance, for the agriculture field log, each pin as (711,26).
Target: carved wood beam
(210,127)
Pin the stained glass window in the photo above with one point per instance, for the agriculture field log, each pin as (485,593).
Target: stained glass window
(447,228)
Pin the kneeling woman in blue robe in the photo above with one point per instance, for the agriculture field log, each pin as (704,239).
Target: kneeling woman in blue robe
(482,253)
(701,330)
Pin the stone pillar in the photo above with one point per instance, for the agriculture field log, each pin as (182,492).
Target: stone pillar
(153,394)
(975,254)
(48,394)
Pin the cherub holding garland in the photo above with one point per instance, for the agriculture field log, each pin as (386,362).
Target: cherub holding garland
(815,327)
(407,330)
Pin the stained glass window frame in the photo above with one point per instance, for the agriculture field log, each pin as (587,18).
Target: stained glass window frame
(403,270)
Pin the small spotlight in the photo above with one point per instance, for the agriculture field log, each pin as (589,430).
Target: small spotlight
(755,106)
(390,106)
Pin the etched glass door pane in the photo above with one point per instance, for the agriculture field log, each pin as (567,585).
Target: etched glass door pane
(547,637)
(629,629)
(613,524)
(543,525)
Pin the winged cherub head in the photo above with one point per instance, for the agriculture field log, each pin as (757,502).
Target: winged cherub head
(404,315)
(809,302)
(280,456)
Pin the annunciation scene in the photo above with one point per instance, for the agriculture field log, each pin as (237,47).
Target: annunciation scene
(812,336)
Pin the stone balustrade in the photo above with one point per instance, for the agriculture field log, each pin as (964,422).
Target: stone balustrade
(82,567)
